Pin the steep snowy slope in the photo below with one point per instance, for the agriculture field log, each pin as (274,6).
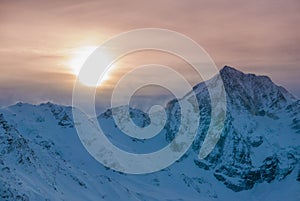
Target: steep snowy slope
(257,157)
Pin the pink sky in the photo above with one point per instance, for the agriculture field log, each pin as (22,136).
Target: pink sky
(38,38)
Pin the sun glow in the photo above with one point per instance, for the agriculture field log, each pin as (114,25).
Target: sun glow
(79,56)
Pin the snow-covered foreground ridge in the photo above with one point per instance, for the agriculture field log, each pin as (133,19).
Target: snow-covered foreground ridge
(257,157)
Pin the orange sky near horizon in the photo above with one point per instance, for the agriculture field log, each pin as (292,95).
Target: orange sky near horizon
(40,40)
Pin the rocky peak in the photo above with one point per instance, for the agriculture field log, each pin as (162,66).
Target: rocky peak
(256,94)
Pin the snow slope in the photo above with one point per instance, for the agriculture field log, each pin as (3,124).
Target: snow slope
(257,157)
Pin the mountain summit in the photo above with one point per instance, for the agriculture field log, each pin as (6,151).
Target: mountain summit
(256,158)
(257,92)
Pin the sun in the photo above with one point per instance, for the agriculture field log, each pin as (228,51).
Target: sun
(79,56)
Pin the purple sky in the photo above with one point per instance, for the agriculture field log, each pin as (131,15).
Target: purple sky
(39,38)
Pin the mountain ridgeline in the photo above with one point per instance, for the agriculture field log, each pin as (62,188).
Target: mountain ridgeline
(258,154)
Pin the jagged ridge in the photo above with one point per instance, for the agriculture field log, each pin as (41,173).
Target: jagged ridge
(259,144)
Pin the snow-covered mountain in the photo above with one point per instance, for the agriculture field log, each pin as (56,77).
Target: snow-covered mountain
(256,158)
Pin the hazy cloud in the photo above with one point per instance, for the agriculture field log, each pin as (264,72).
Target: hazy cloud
(36,38)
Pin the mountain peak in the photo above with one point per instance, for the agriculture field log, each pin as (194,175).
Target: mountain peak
(249,91)
(228,70)
(232,72)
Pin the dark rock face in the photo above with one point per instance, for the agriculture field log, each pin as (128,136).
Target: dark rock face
(13,145)
(62,114)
